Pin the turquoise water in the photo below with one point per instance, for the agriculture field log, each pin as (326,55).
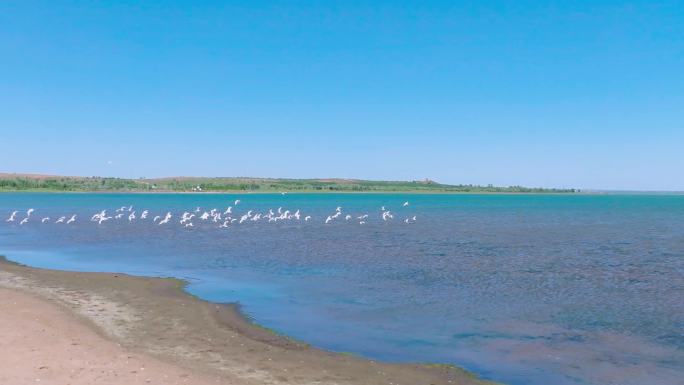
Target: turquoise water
(523,289)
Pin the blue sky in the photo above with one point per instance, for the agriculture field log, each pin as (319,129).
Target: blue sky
(566,94)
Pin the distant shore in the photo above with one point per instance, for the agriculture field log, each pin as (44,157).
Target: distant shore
(154,320)
(241,185)
(305,192)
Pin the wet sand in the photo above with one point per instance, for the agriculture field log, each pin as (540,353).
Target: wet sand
(90,328)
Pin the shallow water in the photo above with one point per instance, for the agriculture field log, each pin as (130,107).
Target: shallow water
(523,289)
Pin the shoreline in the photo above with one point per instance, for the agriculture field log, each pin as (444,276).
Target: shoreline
(314,192)
(158,318)
(375,192)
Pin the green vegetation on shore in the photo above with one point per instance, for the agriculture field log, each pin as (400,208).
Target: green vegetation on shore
(15,182)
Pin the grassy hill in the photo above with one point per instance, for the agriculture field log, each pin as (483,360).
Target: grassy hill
(31,182)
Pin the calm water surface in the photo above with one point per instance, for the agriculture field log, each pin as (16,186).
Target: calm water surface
(523,289)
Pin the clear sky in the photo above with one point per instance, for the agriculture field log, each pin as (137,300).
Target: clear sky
(586,94)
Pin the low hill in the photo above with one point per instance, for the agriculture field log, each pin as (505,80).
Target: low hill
(36,182)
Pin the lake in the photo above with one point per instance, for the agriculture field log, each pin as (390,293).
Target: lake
(522,289)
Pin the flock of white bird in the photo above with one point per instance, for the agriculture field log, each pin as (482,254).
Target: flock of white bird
(223,218)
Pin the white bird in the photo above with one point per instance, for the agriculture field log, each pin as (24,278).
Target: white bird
(156,218)
(118,216)
(328,219)
(229,210)
(406,220)
(347,217)
(382,208)
(12,216)
(25,220)
(338,209)
(102,219)
(362,223)
(44,219)
(237,202)
(28,212)
(143,215)
(362,216)
(405,204)
(306,218)
(60,220)
(131,217)
(186,217)
(72,219)
(99,215)
(414,218)
(166,219)
(189,224)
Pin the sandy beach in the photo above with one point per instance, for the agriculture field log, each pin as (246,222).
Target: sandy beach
(91,328)
(42,344)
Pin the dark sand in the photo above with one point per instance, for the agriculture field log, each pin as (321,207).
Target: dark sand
(181,339)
